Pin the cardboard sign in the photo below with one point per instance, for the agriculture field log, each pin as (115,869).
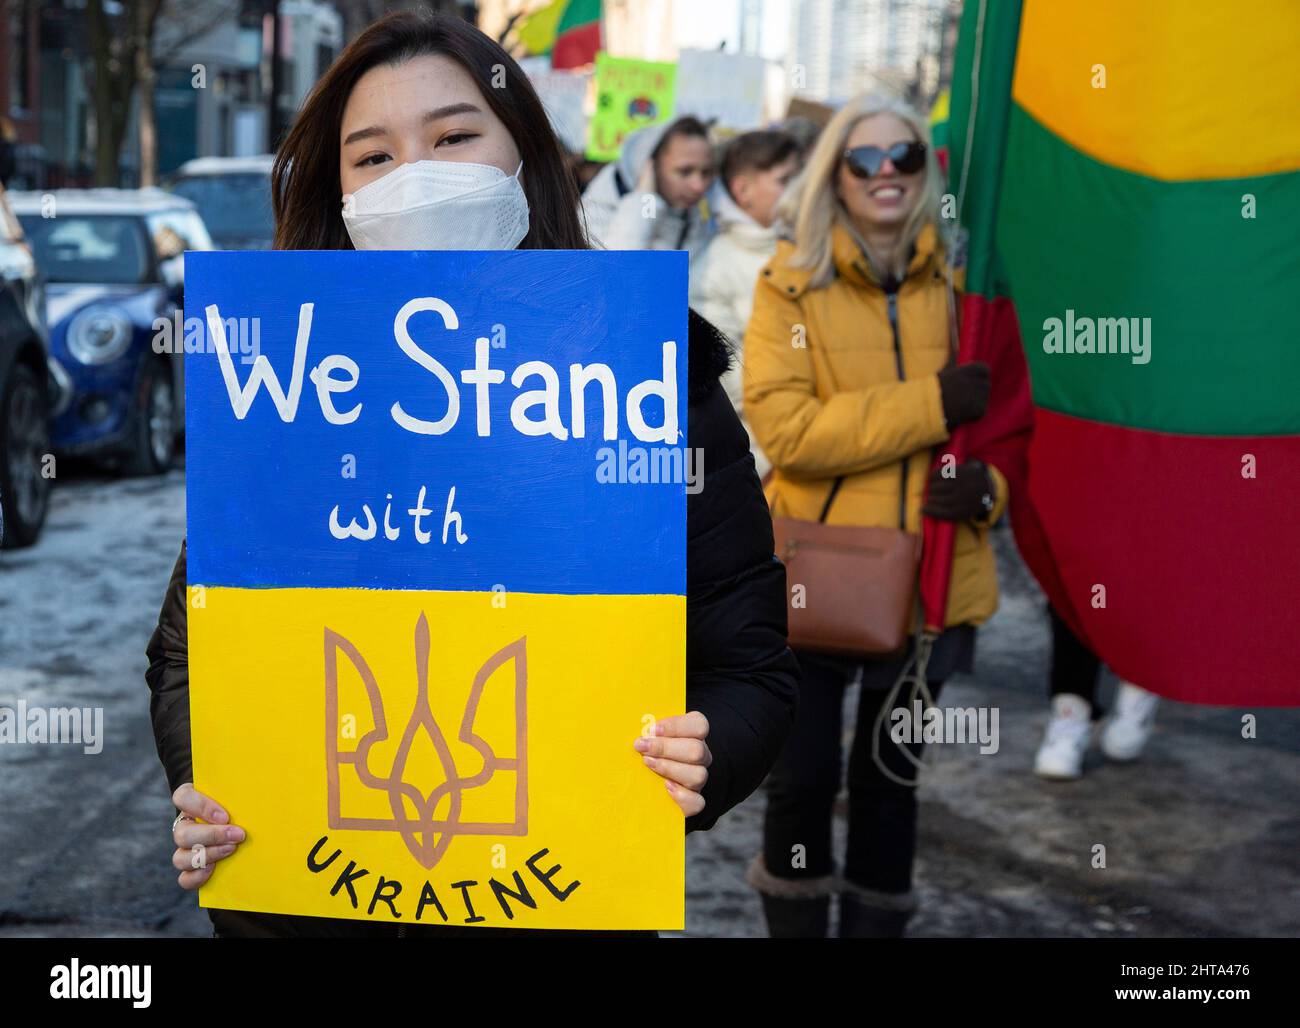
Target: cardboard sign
(630,94)
(564,94)
(432,601)
(818,113)
(721,87)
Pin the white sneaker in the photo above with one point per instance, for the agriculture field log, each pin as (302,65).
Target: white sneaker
(1061,754)
(1129,727)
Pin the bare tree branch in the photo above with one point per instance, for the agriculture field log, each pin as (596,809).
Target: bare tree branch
(185,22)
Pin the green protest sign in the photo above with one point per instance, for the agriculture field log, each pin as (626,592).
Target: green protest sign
(630,94)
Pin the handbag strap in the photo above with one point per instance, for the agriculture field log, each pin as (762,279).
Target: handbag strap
(835,488)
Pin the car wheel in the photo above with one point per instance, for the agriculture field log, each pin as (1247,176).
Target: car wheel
(153,443)
(24,443)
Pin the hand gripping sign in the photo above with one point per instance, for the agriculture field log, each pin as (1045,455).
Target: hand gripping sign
(424,627)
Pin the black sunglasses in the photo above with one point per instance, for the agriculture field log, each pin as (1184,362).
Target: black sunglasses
(866,161)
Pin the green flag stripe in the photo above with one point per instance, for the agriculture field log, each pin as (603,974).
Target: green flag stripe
(1218,287)
(577,14)
(979,199)
(939,135)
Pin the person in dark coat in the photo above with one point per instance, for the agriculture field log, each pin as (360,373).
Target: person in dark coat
(741,678)
(8,151)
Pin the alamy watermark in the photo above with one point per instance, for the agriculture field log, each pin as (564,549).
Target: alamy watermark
(75,980)
(651,465)
(1073,334)
(930,725)
(190,335)
(21,725)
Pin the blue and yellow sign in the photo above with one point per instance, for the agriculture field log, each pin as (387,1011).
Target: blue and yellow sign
(432,600)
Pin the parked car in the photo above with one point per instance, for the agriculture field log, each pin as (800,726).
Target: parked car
(233,195)
(113,262)
(24,390)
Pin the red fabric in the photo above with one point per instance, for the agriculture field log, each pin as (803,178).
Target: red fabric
(577,47)
(989,332)
(1200,586)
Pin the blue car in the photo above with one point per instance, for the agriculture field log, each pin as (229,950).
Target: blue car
(113,263)
(233,195)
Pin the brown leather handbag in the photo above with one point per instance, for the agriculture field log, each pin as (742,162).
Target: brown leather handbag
(858,584)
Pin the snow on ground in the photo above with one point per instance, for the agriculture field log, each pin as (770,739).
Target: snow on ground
(1202,836)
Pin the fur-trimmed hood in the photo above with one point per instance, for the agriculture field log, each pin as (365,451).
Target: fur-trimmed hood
(709,356)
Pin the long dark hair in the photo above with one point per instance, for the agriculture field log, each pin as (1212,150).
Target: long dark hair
(306,193)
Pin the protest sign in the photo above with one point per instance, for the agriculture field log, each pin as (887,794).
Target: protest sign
(630,94)
(432,602)
(564,95)
(721,87)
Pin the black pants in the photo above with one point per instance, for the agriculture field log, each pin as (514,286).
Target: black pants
(1075,668)
(804,784)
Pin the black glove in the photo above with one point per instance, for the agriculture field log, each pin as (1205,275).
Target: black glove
(962,497)
(964,389)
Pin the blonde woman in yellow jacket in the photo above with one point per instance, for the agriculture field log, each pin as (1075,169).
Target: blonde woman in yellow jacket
(848,378)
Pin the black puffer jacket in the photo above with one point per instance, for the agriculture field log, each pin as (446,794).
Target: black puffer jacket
(739,672)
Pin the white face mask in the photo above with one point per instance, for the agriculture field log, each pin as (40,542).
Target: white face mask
(439,205)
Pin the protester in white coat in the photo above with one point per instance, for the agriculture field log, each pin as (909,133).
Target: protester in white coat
(653,196)
(755,171)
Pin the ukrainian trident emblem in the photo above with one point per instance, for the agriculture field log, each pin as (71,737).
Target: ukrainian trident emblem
(415,805)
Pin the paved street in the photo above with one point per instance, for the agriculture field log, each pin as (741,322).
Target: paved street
(1202,837)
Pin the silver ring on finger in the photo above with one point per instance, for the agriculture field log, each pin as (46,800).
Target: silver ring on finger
(179,819)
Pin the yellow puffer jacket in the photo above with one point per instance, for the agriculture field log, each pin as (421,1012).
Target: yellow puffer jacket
(832,390)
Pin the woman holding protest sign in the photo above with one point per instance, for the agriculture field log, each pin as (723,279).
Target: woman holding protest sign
(848,385)
(434,139)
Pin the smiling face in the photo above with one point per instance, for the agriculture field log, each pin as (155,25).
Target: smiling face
(884,201)
(425,109)
(684,170)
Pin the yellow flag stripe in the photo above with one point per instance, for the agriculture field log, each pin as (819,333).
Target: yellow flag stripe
(538,30)
(1166,88)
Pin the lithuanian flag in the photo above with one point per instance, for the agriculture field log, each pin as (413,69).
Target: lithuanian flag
(939,127)
(568,30)
(1129,175)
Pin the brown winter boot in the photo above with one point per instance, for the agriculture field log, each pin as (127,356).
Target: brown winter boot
(867,914)
(795,908)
